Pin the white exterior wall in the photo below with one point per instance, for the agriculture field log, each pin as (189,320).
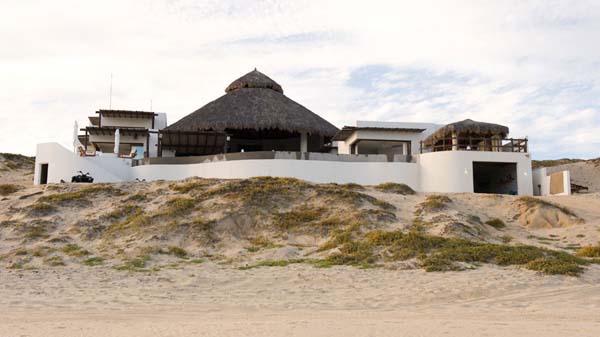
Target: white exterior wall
(445,172)
(311,170)
(452,171)
(63,164)
(127,122)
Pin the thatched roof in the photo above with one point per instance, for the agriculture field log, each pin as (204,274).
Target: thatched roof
(467,127)
(254,101)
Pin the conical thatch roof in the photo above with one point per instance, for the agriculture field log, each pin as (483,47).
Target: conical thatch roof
(254,101)
(467,127)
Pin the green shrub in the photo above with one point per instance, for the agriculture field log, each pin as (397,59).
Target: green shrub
(496,223)
(555,266)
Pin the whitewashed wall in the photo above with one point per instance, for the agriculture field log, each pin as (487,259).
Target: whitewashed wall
(449,171)
(452,171)
(366,173)
(63,164)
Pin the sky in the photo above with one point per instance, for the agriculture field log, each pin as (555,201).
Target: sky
(531,65)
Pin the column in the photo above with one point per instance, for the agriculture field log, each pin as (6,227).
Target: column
(303,142)
(454,141)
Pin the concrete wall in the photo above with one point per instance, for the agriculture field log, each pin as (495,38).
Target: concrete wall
(452,171)
(311,170)
(63,164)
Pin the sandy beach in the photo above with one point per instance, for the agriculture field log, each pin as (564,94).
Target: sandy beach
(216,300)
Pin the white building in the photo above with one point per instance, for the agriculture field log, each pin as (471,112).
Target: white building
(255,130)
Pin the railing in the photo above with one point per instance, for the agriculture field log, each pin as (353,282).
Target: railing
(476,144)
(273,155)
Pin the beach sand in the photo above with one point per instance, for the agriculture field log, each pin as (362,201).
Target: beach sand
(298,300)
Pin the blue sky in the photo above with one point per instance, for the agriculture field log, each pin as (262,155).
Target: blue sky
(531,65)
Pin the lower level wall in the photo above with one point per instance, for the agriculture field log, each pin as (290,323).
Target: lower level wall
(364,173)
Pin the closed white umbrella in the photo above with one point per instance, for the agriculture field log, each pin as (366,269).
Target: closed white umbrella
(117,141)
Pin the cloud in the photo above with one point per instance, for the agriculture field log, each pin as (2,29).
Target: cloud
(532,65)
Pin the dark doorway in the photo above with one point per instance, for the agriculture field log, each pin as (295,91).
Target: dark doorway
(44,174)
(495,178)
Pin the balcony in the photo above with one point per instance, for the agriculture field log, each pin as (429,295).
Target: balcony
(466,143)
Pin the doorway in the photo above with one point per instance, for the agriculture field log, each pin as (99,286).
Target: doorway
(495,178)
(43,174)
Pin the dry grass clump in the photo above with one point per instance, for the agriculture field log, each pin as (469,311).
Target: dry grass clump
(178,206)
(532,201)
(176,251)
(93,261)
(261,242)
(589,251)
(395,188)
(275,263)
(260,190)
(496,223)
(72,249)
(193,185)
(435,202)
(81,194)
(36,229)
(298,216)
(120,212)
(6,189)
(54,261)
(16,161)
(40,209)
(137,264)
(131,223)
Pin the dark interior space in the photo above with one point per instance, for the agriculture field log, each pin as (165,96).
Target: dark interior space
(44,174)
(495,178)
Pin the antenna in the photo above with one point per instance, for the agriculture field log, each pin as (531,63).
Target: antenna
(110,99)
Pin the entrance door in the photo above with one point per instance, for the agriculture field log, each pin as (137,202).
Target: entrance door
(495,178)
(44,174)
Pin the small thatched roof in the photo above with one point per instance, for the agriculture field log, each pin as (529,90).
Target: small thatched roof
(254,101)
(467,127)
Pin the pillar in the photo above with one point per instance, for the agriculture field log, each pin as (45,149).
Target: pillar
(454,141)
(303,142)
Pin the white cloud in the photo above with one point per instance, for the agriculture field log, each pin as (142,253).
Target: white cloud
(530,64)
